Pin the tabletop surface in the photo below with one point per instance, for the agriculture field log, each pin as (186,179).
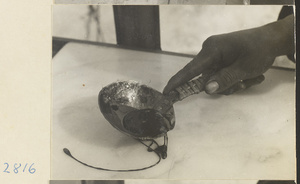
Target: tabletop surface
(250,135)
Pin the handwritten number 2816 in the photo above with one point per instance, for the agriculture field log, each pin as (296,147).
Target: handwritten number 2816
(17,166)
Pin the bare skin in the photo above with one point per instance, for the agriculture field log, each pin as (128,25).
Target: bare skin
(237,60)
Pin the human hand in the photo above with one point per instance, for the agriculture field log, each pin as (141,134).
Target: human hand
(235,61)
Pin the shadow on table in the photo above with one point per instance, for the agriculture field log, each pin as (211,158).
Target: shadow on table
(83,121)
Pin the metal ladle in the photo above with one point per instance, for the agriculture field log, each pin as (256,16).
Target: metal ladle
(142,112)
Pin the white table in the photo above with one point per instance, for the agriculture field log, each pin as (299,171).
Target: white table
(250,135)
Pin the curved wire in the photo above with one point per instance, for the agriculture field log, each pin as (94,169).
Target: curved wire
(67,152)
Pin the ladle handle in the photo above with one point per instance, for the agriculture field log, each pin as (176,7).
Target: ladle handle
(192,87)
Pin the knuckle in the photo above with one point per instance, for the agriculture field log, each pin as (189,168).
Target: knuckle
(213,47)
(212,41)
(229,77)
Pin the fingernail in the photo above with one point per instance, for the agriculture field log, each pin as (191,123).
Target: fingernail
(211,87)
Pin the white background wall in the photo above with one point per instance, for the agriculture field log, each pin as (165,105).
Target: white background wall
(65,182)
(183,27)
(146,1)
(170,182)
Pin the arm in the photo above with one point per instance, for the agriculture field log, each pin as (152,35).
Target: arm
(237,60)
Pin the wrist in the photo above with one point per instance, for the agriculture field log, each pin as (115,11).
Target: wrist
(280,36)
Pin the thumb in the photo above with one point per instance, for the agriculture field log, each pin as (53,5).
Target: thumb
(223,79)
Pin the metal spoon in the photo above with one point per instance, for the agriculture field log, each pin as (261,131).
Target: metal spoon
(142,112)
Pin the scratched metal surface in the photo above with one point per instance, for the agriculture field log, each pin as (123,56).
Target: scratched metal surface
(123,99)
(244,136)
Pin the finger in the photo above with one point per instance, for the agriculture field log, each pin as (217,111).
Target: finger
(254,81)
(223,79)
(239,86)
(194,68)
(242,85)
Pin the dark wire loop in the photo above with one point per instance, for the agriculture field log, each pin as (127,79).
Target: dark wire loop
(156,151)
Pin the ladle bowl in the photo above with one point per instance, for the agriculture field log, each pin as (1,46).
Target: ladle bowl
(133,109)
(140,111)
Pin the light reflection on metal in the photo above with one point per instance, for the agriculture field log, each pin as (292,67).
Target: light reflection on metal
(148,114)
(135,100)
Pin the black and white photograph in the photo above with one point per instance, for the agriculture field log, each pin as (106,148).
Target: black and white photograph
(171,182)
(184,2)
(173,92)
